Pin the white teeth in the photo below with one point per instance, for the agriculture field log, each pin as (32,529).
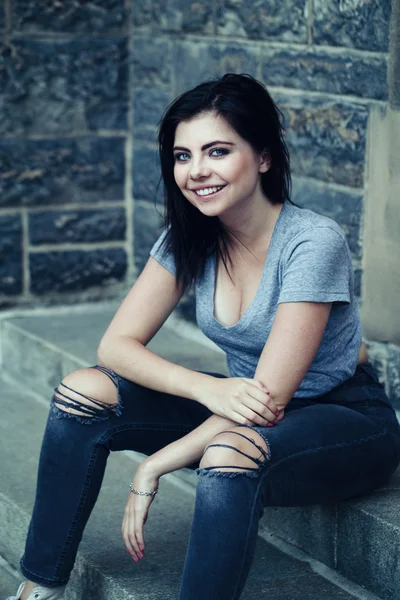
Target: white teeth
(208,191)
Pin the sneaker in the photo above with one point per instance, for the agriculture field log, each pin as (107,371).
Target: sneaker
(41,593)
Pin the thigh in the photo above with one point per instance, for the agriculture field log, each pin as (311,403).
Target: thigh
(149,420)
(326,453)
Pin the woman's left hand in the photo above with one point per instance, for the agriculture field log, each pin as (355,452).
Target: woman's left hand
(136,510)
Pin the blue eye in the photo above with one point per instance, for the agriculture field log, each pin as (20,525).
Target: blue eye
(179,155)
(223,150)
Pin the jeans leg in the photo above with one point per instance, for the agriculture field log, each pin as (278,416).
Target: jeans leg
(72,463)
(223,537)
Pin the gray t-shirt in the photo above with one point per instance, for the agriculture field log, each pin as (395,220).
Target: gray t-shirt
(308,260)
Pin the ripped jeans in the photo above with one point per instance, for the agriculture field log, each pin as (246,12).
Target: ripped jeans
(325,450)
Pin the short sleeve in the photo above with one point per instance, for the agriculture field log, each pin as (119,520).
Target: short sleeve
(160,254)
(317,268)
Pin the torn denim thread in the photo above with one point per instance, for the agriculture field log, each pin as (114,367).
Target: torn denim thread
(100,411)
(248,471)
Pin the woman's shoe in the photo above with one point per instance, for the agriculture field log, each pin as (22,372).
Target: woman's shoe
(41,593)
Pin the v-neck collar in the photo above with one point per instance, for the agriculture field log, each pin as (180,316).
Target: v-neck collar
(250,309)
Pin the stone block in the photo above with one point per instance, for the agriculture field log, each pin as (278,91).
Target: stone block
(322,71)
(310,528)
(97,16)
(326,138)
(284,21)
(63,86)
(343,207)
(147,226)
(148,108)
(146,174)
(196,62)
(41,172)
(174,16)
(10,254)
(394,374)
(151,62)
(362,24)
(58,227)
(358,273)
(75,270)
(368,543)
(378,356)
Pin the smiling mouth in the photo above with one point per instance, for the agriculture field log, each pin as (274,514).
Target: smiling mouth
(211,191)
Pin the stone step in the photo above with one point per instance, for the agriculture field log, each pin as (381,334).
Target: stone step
(8,581)
(38,350)
(104,570)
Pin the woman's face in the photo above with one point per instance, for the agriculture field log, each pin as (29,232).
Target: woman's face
(216,169)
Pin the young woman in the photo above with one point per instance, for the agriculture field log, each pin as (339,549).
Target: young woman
(301,420)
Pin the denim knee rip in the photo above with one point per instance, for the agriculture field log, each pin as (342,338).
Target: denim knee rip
(90,413)
(247,471)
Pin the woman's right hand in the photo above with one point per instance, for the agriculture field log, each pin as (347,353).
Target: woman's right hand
(245,401)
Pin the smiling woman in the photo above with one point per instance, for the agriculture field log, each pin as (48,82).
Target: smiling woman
(302,418)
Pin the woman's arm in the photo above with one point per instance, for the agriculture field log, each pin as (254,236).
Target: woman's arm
(293,342)
(180,453)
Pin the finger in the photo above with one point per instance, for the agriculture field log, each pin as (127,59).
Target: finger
(266,409)
(125,535)
(256,383)
(247,416)
(263,397)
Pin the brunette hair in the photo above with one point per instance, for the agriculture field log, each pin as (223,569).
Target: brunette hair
(247,106)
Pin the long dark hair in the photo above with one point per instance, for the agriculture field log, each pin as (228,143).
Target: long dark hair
(247,106)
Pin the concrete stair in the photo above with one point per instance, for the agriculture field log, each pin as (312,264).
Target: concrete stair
(333,553)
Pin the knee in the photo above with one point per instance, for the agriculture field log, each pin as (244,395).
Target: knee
(88,394)
(235,452)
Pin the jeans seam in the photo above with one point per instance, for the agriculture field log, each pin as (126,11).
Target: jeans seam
(247,535)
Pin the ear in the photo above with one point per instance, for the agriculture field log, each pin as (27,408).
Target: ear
(265,162)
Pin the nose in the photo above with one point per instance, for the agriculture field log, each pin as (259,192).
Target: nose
(199,170)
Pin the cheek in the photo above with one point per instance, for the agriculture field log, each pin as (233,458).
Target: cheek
(239,171)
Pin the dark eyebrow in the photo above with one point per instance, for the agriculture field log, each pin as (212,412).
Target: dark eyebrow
(206,146)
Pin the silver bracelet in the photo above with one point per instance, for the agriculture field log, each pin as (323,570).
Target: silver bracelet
(142,493)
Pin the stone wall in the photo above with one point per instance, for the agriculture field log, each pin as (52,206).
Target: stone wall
(83,85)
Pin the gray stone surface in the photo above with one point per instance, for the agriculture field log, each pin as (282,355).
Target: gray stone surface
(148,107)
(63,86)
(343,207)
(360,24)
(326,139)
(146,174)
(104,569)
(10,254)
(369,542)
(82,170)
(76,269)
(151,62)
(54,345)
(8,583)
(263,19)
(322,71)
(311,528)
(97,16)
(57,227)
(196,62)
(174,16)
